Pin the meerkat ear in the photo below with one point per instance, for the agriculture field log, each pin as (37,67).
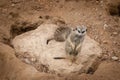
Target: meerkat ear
(84,27)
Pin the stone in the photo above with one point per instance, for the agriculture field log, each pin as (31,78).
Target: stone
(13,5)
(105,42)
(115,58)
(105,26)
(114,42)
(33,59)
(115,33)
(26,61)
(34,42)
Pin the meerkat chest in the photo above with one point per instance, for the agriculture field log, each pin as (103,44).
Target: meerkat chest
(76,40)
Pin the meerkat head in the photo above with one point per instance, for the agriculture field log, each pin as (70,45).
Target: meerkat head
(80,30)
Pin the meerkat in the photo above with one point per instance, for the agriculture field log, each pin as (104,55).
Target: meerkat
(74,42)
(60,34)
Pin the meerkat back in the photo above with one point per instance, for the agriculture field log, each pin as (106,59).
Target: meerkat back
(60,34)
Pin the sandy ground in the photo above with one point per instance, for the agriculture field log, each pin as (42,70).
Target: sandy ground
(102,17)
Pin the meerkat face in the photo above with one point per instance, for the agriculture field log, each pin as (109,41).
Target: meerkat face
(80,30)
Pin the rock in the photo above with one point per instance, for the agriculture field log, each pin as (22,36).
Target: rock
(33,59)
(105,42)
(105,26)
(115,58)
(114,42)
(34,42)
(96,37)
(13,5)
(115,33)
(26,61)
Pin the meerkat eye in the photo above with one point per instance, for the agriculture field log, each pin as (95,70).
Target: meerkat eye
(74,29)
(86,29)
(83,31)
(78,31)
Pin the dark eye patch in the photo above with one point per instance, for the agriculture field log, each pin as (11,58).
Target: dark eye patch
(83,31)
(78,31)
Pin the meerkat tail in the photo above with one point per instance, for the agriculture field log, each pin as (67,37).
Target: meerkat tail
(59,58)
(49,40)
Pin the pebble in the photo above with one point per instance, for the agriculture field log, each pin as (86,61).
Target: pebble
(96,37)
(115,33)
(105,26)
(26,61)
(105,42)
(115,58)
(13,5)
(33,59)
(101,1)
(114,42)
